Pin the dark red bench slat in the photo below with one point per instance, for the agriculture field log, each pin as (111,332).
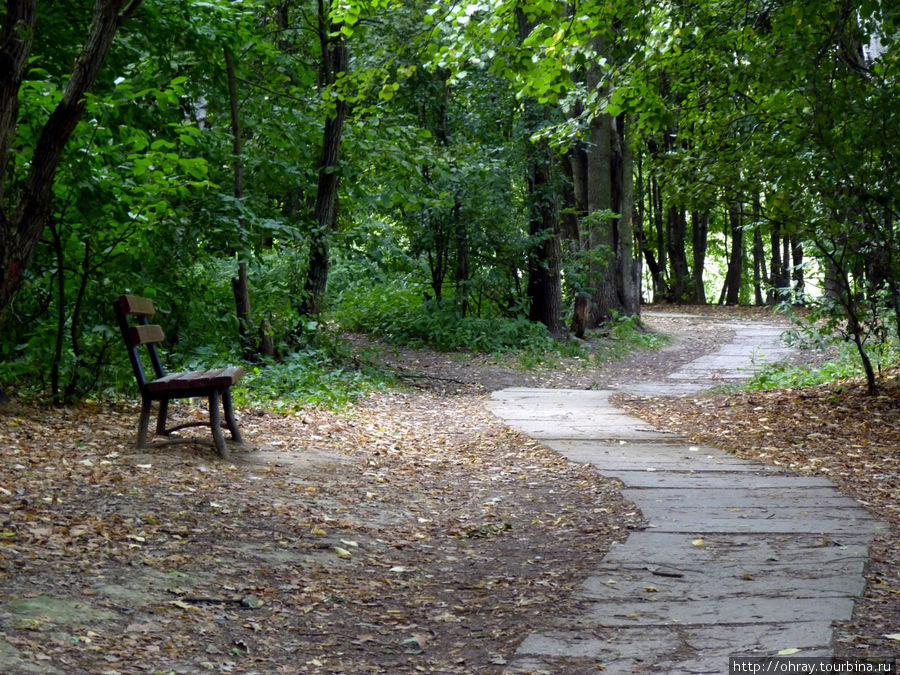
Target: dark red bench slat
(196,380)
(132,304)
(146,334)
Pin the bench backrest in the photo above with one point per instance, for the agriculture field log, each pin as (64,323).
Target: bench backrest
(142,333)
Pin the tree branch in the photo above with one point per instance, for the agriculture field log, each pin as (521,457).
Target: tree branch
(15,45)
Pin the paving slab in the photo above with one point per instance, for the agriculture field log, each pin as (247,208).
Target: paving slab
(650,583)
(697,479)
(714,611)
(729,498)
(733,556)
(681,551)
(660,649)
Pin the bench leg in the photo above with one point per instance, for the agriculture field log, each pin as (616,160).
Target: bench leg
(229,417)
(162,416)
(215,423)
(144,423)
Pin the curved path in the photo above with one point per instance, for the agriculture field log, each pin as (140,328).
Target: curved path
(737,558)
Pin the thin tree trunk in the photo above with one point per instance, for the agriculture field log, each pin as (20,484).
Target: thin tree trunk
(334,61)
(797,259)
(60,311)
(462,262)
(760,275)
(240,285)
(662,290)
(786,265)
(774,295)
(699,235)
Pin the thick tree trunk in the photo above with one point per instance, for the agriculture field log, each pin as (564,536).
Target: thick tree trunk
(544,288)
(601,232)
(676,230)
(610,204)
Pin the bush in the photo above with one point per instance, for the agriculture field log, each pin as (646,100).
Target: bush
(400,315)
(324,372)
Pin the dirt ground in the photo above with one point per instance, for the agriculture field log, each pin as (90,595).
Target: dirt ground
(411,532)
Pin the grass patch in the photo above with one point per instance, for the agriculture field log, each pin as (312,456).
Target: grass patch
(845,365)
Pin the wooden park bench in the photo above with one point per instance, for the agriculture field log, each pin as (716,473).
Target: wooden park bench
(211,384)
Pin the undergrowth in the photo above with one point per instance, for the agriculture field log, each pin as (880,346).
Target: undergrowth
(325,371)
(844,365)
(399,315)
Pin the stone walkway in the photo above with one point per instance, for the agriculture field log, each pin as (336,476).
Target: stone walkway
(736,557)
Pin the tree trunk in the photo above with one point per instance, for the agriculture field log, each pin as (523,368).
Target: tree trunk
(56,361)
(661,288)
(240,285)
(797,260)
(601,232)
(462,262)
(544,287)
(760,275)
(736,259)
(777,282)
(676,231)
(628,263)
(610,204)
(700,235)
(334,61)
(786,266)
(20,232)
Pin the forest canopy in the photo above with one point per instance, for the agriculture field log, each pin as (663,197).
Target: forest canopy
(497,171)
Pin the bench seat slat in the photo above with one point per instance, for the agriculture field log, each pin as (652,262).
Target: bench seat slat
(196,379)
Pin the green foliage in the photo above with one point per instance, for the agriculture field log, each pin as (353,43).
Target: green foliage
(398,314)
(324,373)
(845,365)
